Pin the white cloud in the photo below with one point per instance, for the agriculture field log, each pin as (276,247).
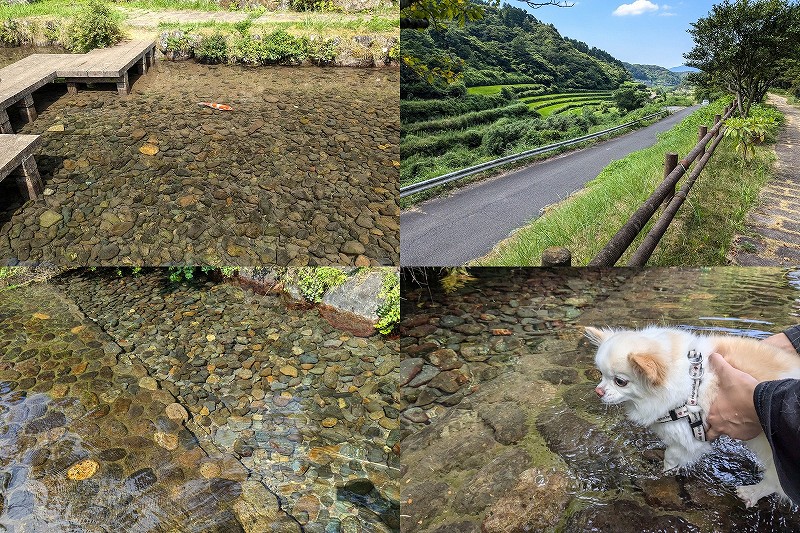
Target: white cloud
(636,8)
(667,14)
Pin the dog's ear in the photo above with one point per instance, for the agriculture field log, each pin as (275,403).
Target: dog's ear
(596,336)
(649,365)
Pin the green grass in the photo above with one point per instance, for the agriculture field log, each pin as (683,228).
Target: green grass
(587,220)
(564,106)
(494,89)
(308,25)
(552,96)
(68,8)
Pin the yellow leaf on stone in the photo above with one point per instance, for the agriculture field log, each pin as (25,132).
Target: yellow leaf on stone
(82,470)
(56,127)
(149,149)
(210,338)
(77,329)
(396,163)
(41,316)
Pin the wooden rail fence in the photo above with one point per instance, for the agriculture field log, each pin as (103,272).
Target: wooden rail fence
(664,194)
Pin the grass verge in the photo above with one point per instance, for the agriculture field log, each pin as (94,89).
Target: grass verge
(702,230)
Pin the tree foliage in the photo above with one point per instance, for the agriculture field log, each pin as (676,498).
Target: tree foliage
(421,14)
(631,96)
(508,45)
(743,46)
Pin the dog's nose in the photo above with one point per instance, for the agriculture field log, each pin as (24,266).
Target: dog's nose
(600,392)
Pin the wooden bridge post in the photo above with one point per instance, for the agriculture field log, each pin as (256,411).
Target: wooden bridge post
(72,88)
(123,85)
(670,162)
(28,179)
(27,109)
(702,131)
(5,122)
(556,256)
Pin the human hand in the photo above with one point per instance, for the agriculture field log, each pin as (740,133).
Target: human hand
(781,341)
(733,412)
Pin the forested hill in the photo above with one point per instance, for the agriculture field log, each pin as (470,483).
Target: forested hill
(509,45)
(655,75)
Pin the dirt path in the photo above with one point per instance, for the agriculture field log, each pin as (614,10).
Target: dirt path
(771,236)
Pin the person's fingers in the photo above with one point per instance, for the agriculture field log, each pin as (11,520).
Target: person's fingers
(712,434)
(717,362)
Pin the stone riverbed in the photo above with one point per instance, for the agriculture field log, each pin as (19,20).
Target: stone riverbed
(502,430)
(304,170)
(200,407)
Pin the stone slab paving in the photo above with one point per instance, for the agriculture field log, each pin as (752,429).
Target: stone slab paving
(304,171)
(311,409)
(90,443)
(771,235)
(530,447)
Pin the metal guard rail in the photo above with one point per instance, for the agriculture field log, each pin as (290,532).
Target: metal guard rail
(415,188)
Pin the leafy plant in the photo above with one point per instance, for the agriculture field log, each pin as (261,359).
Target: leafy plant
(321,50)
(212,49)
(313,5)
(315,282)
(181,273)
(95,26)
(750,131)
(389,311)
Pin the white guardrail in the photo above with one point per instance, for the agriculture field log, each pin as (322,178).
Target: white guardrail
(415,188)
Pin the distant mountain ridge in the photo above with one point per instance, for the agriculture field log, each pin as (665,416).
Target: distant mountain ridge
(683,68)
(655,75)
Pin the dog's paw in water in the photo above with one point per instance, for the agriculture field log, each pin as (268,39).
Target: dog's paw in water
(750,494)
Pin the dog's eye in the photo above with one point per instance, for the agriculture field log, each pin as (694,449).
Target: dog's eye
(620,382)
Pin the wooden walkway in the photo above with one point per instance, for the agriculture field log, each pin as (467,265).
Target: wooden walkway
(16,157)
(19,80)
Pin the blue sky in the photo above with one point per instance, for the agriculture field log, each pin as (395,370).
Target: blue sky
(636,31)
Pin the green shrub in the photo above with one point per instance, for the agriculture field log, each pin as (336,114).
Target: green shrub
(10,33)
(212,49)
(278,47)
(94,27)
(315,282)
(321,50)
(313,5)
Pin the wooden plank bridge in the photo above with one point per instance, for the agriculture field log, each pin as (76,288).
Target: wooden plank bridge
(19,80)
(16,157)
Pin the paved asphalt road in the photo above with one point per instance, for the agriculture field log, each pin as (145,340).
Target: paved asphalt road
(466,225)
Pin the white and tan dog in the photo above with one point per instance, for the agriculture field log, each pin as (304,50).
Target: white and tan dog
(652,373)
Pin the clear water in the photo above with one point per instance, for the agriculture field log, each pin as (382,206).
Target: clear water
(613,466)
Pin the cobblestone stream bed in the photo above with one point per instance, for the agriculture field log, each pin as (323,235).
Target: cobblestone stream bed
(303,171)
(529,447)
(258,416)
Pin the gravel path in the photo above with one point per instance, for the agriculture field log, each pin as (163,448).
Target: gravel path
(771,236)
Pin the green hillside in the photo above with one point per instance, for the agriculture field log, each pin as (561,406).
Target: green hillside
(508,46)
(655,75)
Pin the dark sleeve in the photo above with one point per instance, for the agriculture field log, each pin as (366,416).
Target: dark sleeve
(793,333)
(778,406)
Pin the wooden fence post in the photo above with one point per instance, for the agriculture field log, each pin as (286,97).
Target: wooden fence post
(670,162)
(702,131)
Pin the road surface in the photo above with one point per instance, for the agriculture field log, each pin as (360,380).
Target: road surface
(465,225)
